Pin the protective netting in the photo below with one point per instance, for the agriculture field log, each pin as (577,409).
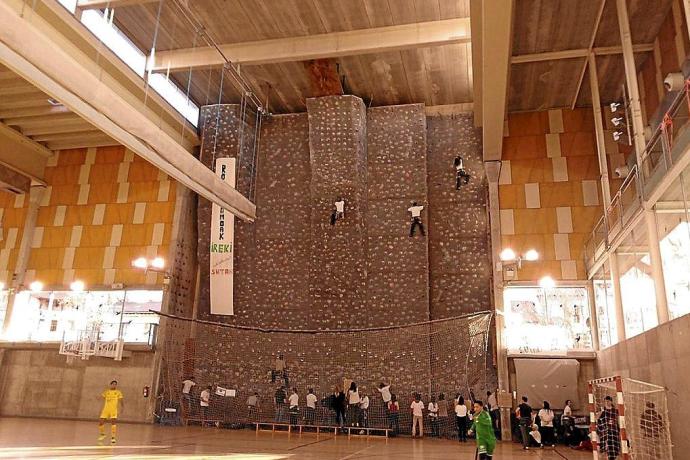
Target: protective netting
(630,419)
(238,372)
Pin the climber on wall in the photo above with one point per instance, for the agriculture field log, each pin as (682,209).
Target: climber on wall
(416,212)
(461,176)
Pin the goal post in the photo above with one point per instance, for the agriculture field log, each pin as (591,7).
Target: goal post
(628,420)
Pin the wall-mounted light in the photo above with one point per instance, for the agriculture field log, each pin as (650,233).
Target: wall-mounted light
(155,265)
(512,262)
(617,135)
(2,286)
(615,106)
(36,286)
(77,286)
(547,282)
(617,121)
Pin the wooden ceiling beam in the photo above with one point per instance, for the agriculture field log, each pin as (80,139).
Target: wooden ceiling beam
(75,126)
(497,24)
(57,137)
(102,141)
(29,49)
(100,4)
(477,81)
(22,154)
(45,120)
(14,181)
(577,53)
(592,39)
(321,46)
(46,109)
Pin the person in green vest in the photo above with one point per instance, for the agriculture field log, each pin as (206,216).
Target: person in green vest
(486,439)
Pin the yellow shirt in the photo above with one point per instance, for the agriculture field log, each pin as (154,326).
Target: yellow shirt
(111,397)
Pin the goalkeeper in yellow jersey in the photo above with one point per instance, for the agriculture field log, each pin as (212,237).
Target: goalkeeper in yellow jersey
(112,401)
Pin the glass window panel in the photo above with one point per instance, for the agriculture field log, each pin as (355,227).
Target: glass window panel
(544,320)
(605,307)
(52,316)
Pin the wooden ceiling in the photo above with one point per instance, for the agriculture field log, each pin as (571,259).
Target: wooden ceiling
(435,75)
(34,114)
(541,26)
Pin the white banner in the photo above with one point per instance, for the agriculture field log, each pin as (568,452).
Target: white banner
(222,246)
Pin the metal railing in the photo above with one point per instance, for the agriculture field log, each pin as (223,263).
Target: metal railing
(666,145)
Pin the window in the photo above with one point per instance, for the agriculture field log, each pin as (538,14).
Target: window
(675,255)
(54,315)
(547,320)
(100,23)
(639,300)
(605,306)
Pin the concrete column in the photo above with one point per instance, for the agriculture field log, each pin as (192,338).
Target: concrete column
(493,168)
(593,319)
(17,283)
(599,131)
(686,10)
(657,266)
(631,79)
(617,296)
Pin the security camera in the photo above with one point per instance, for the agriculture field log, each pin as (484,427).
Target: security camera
(621,172)
(674,81)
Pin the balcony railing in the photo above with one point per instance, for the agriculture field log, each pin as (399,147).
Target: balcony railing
(663,150)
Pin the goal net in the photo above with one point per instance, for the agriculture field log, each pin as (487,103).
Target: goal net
(232,375)
(628,420)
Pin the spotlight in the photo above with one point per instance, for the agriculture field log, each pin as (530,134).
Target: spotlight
(547,282)
(158,262)
(614,106)
(531,255)
(617,135)
(507,254)
(617,121)
(2,286)
(141,262)
(36,286)
(77,286)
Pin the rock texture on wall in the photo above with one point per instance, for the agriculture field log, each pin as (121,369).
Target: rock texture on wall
(459,257)
(296,271)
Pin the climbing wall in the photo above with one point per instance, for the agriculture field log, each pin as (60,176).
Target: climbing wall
(225,133)
(459,259)
(338,161)
(398,265)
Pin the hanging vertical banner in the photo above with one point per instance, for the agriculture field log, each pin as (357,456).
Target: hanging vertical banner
(222,246)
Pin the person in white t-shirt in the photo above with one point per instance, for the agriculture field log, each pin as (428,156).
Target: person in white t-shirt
(461,418)
(293,402)
(187,386)
(416,212)
(546,417)
(460,173)
(494,410)
(205,403)
(253,407)
(338,210)
(433,416)
(353,400)
(310,414)
(363,411)
(385,390)
(417,408)
(535,436)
